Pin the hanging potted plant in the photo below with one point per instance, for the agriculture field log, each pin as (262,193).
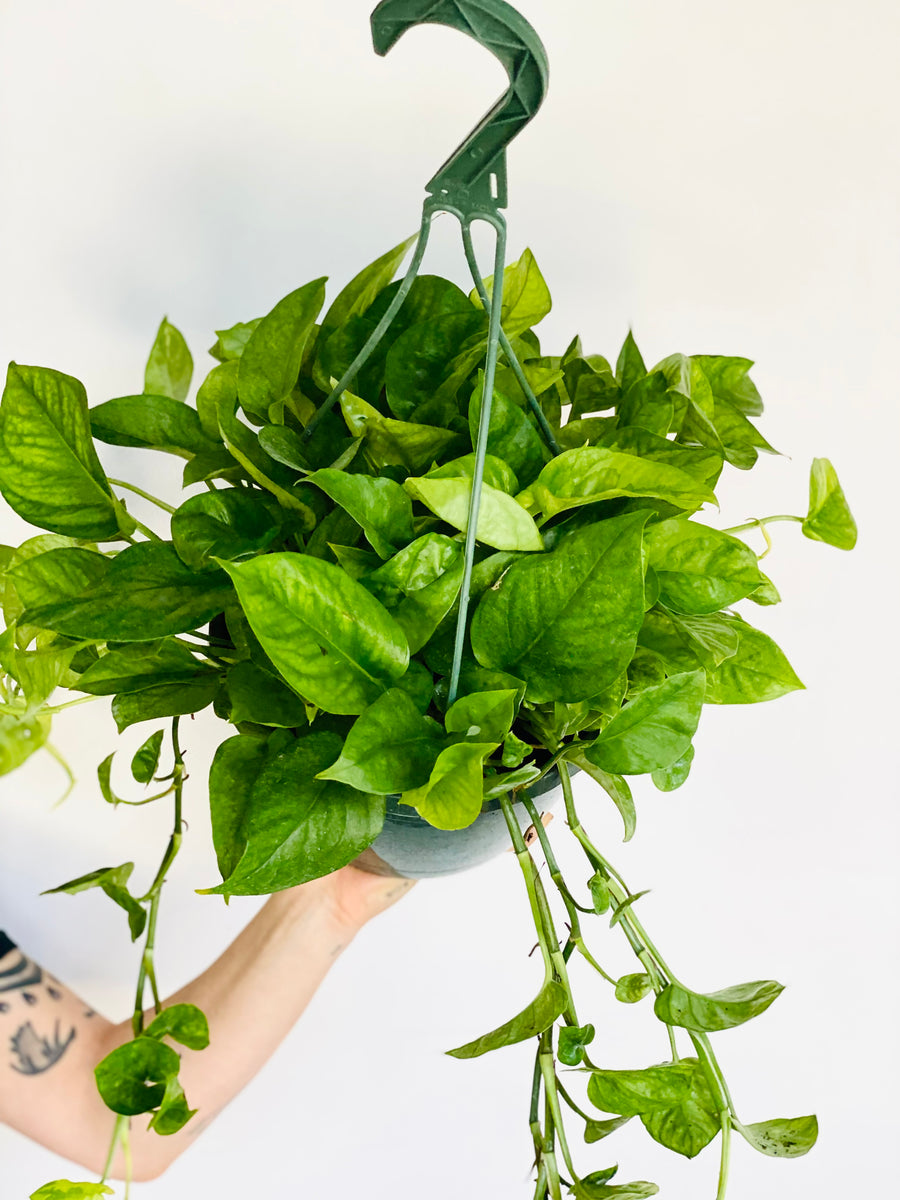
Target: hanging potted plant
(426,572)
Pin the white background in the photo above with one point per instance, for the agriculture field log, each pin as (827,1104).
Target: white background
(723,178)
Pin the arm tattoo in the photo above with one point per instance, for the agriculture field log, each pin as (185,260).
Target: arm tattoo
(36,1054)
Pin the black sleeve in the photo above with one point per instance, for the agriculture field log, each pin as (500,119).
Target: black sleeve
(5,944)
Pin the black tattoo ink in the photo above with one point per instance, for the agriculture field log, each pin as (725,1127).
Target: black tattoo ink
(53,993)
(37,1054)
(4,1008)
(22,974)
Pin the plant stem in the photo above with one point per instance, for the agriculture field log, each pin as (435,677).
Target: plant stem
(725,1159)
(120,1123)
(58,708)
(140,492)
(548,1071)
(759,522)
(145,530)
(526,862)
(571,1103)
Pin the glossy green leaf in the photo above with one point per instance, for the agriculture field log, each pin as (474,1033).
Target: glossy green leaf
(140,665)
(615,787)
(145,592)
(757,671)
(235,768)
(173,1112)
(49,471)
(700,570)
(65,1189)
(333,642)
(132,1079)
(420,359)
(567,621)
(728,380)
(359,293)
(784,1137)
(256,695)
(170,366)
(20,737)
(572,1041)
(146,760)
(285,826)
(165,700)
(590,384)
(667,779)
(647,405)
(549,1004)
(629,365)
(380,506)
(716,1010)
(599,888)
(483,716)
(632,1093)
(638,1190)
(270,362)
(231,343)
(152,423)
(595,473)
(184,1023)
(511,436)
(653,730)
(227,523)
(515,751)
(691,1124)
(683,641)
(526,297)
(502,522)
(452,796)
(596,1131)
(395,443)
(420,613)
(390,749)
(700,462)
(632,988)
(414,567)
(114,882)
(829,518)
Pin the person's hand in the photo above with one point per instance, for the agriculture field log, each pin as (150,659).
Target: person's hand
(354,896)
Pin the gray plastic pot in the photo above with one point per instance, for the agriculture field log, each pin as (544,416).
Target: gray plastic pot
(411,848)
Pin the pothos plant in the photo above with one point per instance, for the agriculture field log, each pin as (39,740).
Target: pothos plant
(307,589)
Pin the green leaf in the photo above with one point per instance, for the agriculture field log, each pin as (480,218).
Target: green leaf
(683,641)
(615,787)
(667,779)
(65,1189)
(419,360)
(599,887)
(784,1137)
(151,422)
(633,1093)
(132,1079)
(648,405)
(572,1041)
(227,523)
(632,988)
(629,365)
(594,473)
(390,749)
(511,436)
(700,570)
(638,1190)
(496,472)
(230,343)
(729,381)
(549,1004)
(483,716)
(170,366)
(235,768)
(502,522)
(526,297)
(422,611)
(757,671)
(289,826)
(395,443)
(707,1013)
(515,751)
(829,518)
(567,621)
(596,1131)
(691,1124)
(49,471)
(20,737)
(380,506)
(257,695)
(622,908)
(114,882)
(333,642)
(452,796)
(270,362)
(359,293)
(285,446)
(653,730)
(137,666)
(414,567)
(700,462)
(590,384)
(165,700)
(146,760)
(184,1023)
(173,1112)
(145,592)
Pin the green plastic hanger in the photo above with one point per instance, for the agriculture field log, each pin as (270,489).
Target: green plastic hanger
(472,185)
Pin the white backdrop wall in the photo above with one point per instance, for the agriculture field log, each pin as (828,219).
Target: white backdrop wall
(722,178)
